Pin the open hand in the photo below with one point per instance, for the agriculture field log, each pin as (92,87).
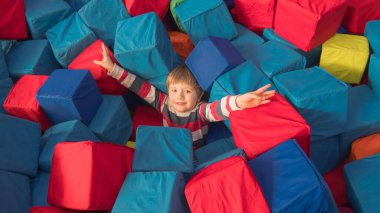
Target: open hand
(255,98)
(106,62)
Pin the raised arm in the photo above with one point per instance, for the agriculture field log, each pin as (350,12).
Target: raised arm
(134,83)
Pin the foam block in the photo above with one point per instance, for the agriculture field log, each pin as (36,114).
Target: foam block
(217,131)
(359,13)
(54,209)
(102,17)
(290,182)
(66,131)
(20,142)
(372,30)
(363,183)
(365,147)
(21,100)
(206,190)
(246,41)
(12,23)
(181,43)
(42,15)
(308,23)
(145,116)
(70,95)
(312,57)
(4,73)
(5,86)
(163,149)
(112,122)
(106,84)
(77,4)
(214,149)
(313,99)
(273,58)
(325,154)
(345,57)
(280,116)
(69,38)
(145,51)
(39,189)
(374,74)
(15,194)
(152,192)
(31,57)
(210,58)
(201,19)
(76,184)
(136,7)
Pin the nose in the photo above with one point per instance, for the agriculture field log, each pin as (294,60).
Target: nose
(181,94)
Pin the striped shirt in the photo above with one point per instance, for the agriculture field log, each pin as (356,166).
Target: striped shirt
(195,120)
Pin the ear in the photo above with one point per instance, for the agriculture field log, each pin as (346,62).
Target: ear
(200,96)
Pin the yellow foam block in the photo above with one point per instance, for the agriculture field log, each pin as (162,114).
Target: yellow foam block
(131,144)
(345,57)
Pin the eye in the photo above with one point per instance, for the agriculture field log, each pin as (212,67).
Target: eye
(174,90)
(188,91)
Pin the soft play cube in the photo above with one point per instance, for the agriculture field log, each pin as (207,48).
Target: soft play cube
(210,58)
(145,116)
(54,209)
(39,189)
(290,182)
(172,6)
(365,147)
(145,51)
(363,118)
(325,154)
(374,74)
(217,131)
(112,122)
(363,184)
(218,187)
(102,17)
(20,145)
(308,23)
(136,7)
(242,79)
(31,57)
(43,14)
(312,57)
(163,149)
(273,58)
(87,175)
(201,19)
(255,15)
(256,138)
(214,149)
(72,131)
(6,45)
(4,73)
(77,4)
(69,38)
(345,57)
(15,196)
(5,86)
(181,43)
(12,22)
(372,31)
(106,84)
(359,13)
(21,100)
(152,192)
(322,100)
(70,95)
(246,41)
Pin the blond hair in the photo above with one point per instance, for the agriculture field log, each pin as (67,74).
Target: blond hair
(182,74)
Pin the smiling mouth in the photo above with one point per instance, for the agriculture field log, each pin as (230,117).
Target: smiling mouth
(180,103)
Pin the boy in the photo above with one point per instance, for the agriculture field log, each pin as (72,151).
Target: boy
(182,106)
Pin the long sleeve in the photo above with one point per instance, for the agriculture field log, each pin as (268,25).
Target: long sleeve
(218,110)
(139,86)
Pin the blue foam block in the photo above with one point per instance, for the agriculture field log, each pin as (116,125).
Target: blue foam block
(77,4)
(325,154)
(152,192)
(312,57)
(20,145)
(363,117)
(69,131)
(163,149)
(374,74)
(6,45)
(246,41)
(214,149)
(15,196)
(4,73)
(212,57)
(273,58)
(363,184)
(41,15)
(39,187)
(372,32)
(31,57)
(69,95)
(319,97)
(290,182)
(69,38)
(217,131)
(112,122)
(5,86)
(143,47)
(201,19)
(102,17)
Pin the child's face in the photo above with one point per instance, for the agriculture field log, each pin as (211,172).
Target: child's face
(182,97)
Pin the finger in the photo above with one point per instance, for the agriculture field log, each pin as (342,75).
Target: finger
(262,89)
(265,102)
(97,62)
(105,49)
